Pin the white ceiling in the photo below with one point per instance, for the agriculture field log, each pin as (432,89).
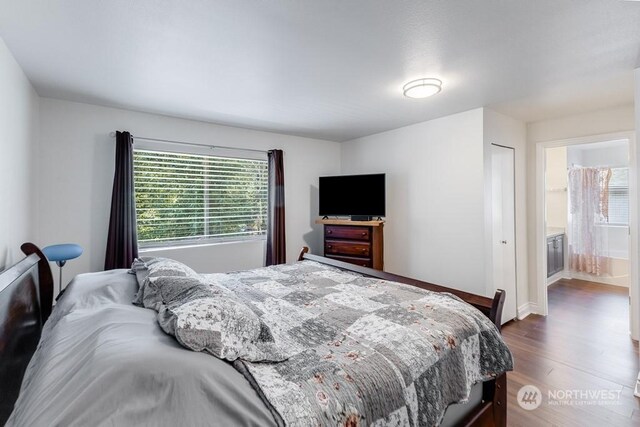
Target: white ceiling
(330,69)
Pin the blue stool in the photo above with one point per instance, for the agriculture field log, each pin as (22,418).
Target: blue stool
(61,254)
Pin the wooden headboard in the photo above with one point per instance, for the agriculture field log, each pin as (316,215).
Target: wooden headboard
(26,297)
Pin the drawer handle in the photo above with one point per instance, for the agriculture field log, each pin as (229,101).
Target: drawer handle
(329,231)
(364,233)
(364,265)
(329,246)
(364,250)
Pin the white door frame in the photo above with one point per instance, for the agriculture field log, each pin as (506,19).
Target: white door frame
(541,265)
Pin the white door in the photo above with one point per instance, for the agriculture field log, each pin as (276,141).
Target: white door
(503,212)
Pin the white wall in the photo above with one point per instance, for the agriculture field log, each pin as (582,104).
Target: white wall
(556,187)
(19,126)
(506,131)
(435,223)
(600,122)
(76,160)
(588,155)
(594,123)
(634,212)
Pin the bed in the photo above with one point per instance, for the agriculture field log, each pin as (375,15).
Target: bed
(103,360)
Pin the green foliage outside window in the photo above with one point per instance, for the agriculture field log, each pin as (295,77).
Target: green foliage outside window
(187,197)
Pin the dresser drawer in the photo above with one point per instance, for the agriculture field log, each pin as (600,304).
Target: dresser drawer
(362,262)
(347,232)
(339,247)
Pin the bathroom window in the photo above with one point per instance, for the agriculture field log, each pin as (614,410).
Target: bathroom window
(619,197)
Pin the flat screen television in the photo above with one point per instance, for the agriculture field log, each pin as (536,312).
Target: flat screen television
(360,196)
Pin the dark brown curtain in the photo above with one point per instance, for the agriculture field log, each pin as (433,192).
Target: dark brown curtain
(276,244)
(122,241)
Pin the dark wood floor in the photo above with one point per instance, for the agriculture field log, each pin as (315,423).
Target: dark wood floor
(583,344)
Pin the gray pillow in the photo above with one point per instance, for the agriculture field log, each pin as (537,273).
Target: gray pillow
(208,317)
(167,290)
(148,267)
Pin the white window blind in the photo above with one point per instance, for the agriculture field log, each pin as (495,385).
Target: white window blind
(190,198)
(619,196)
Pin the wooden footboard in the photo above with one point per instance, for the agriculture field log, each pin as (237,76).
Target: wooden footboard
(493,409)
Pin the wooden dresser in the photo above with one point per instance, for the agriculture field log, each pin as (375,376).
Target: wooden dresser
(355,242)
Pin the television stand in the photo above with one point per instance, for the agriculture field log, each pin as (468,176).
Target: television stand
(356,242)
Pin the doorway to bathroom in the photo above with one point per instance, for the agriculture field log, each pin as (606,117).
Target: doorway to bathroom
(586,226)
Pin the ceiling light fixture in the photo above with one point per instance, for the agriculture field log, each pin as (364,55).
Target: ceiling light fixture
(422,88)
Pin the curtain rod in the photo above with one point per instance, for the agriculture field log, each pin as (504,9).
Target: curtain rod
(195,144)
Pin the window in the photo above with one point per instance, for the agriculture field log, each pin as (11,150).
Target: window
(619,197)
(184,198)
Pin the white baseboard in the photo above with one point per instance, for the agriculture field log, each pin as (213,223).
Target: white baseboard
(623,282)
(526,309)
(564,274)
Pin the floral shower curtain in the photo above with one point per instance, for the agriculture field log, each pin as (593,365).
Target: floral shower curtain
(588,211)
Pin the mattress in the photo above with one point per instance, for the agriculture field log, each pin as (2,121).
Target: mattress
(104,361)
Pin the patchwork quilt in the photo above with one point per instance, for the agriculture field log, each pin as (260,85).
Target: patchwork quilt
(357,350)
